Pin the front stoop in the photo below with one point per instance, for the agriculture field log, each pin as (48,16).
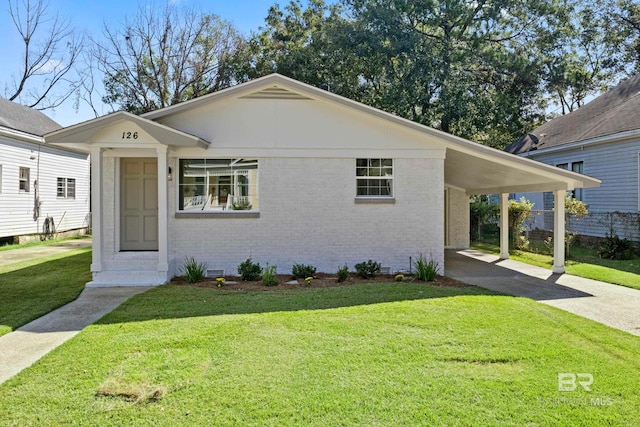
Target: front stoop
(130,269)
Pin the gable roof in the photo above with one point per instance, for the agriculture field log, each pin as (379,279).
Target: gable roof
(615,111)
(77,135)
(25,119)
(469,166)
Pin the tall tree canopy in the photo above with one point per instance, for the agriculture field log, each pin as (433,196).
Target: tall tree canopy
(487,70)
(165,56)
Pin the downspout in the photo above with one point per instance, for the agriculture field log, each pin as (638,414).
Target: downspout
(36,185)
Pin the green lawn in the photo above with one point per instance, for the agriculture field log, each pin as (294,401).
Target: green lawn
(12,246)
(584,262)
(365,355)
(33,288)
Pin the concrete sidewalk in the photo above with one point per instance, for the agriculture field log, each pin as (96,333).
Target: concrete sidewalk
(613,305)
(23,347)
(31,252)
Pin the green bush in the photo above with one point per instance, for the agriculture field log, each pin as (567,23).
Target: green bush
(269,275)
(613,247)
(368,269)
(483,215)
(249,271)
(193,270)
(343,273)
(426,270)
(519,212)
(301,271)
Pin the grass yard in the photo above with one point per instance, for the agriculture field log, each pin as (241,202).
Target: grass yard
(364,355)
(584,262)
(33,288)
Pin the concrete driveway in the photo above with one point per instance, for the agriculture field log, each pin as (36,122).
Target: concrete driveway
(612,305)
(31,252)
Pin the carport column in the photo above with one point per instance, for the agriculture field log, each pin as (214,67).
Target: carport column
(558,231)
(163,207)
(96,208)
(504,226)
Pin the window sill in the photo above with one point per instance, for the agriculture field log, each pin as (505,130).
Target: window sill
(375,200)
(203,215)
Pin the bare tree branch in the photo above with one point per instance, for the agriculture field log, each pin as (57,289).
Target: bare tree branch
(165,56)
(50,51)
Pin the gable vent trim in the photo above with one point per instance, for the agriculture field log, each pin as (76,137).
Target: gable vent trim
(275,93)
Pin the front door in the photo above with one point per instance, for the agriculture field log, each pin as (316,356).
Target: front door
(139,204)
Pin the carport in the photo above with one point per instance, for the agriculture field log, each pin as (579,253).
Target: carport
(477,169)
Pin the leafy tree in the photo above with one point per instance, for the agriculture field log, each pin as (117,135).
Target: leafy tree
(306,44)
(165,56)
(49,51)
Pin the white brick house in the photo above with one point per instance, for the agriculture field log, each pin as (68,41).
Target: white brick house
(284,173)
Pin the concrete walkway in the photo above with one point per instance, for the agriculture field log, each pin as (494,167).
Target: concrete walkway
(613,305)
(23,254)
(23,347)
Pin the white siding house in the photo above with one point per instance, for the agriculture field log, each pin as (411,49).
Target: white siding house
(42,188)
(284,173)
(600,139)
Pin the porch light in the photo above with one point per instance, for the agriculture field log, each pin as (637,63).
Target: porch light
(170,174)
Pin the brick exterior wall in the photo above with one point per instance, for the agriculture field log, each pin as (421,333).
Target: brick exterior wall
(308,215)
(458,219)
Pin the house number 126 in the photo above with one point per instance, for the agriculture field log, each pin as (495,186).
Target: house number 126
(129,135)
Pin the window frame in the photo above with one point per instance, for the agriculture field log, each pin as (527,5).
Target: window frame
(576,193)
(231,185)
(384,164)
(26,188)
(67,183)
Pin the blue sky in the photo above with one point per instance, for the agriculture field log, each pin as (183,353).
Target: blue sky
(90,15)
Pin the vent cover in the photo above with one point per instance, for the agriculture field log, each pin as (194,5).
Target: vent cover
(275,93)
(215,273)
(385,270)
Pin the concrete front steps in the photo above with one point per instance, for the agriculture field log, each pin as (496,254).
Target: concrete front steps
(130,269)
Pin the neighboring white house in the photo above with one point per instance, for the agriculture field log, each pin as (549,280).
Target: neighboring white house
(600,139)
(284,173)
(42,188)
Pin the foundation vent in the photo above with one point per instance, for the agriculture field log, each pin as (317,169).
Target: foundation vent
(215,273)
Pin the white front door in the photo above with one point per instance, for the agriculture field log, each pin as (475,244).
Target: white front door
(139,204)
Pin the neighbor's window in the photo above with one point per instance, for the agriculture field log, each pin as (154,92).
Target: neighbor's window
(218,185)
(66,188)
(374,178)
(579,168)
(24,180)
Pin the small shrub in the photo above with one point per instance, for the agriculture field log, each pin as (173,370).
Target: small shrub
(301,271)
(613,247)
(308,280)
(399,277)
(548,245)
(220,281)
(426,270)
(343,273)
(193,270)
(368,269)
(269,276)
(249,271)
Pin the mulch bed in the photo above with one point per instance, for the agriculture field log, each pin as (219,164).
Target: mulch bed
(319,281)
